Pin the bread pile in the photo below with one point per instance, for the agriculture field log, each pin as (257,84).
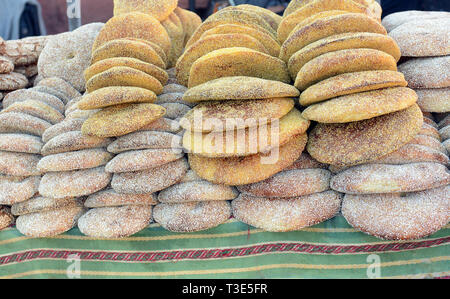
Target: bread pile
(241,91)
(38,109)
(424,40)
(18,62)
(295,198)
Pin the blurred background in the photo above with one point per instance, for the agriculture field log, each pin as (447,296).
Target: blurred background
(21,18)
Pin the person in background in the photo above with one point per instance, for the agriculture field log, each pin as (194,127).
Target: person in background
(20,18)
(391,6)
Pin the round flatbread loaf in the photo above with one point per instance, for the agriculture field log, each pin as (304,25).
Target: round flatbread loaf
(237,61)
(42,204)
(50,223)
(421,38)
(82,159)
(74,183)
(150,181)
(251,169)
(402,216)
(364,141)
(6,219)
(193,216)
(17,189)
(196,191)
(72,141)
(380,178)
(115,222)
(30,94)
(291,183)
(137,160)
(239,88)
(434,100)
(110,198)
(290,214)
(430,72)
(20,143)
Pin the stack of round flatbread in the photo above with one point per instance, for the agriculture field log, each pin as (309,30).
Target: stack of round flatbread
(403,195)
(244,127)
(345,66)
(68,54)
(18,63)
(125,76)
(179,23)
(146,161)
(424,40)
(27,115)
(193,204)
(293,199)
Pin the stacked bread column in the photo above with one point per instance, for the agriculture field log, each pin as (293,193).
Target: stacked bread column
(41,216)
(366,115)
(125,78)
(229,62)
(18,62)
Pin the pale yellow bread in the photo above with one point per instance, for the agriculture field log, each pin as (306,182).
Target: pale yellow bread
(239,88)
(116,95)
(134,63)
(343,61)
(247,170)
(190,21)
(269,42)
(159,9)
(401,216)
(290,22)
(134,25)
(128,48)
(291,214)
(211,43)
(364,141)
(344,41)
(269,16)
(237,61)
(121,119)
(351,83)
(245,142)
(218,116)
(238,17)
(361,106)
(325,27)
(124,76)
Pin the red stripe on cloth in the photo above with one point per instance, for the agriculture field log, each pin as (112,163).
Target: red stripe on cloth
(204,254)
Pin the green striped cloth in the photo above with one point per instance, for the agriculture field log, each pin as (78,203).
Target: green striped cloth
(233,250)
